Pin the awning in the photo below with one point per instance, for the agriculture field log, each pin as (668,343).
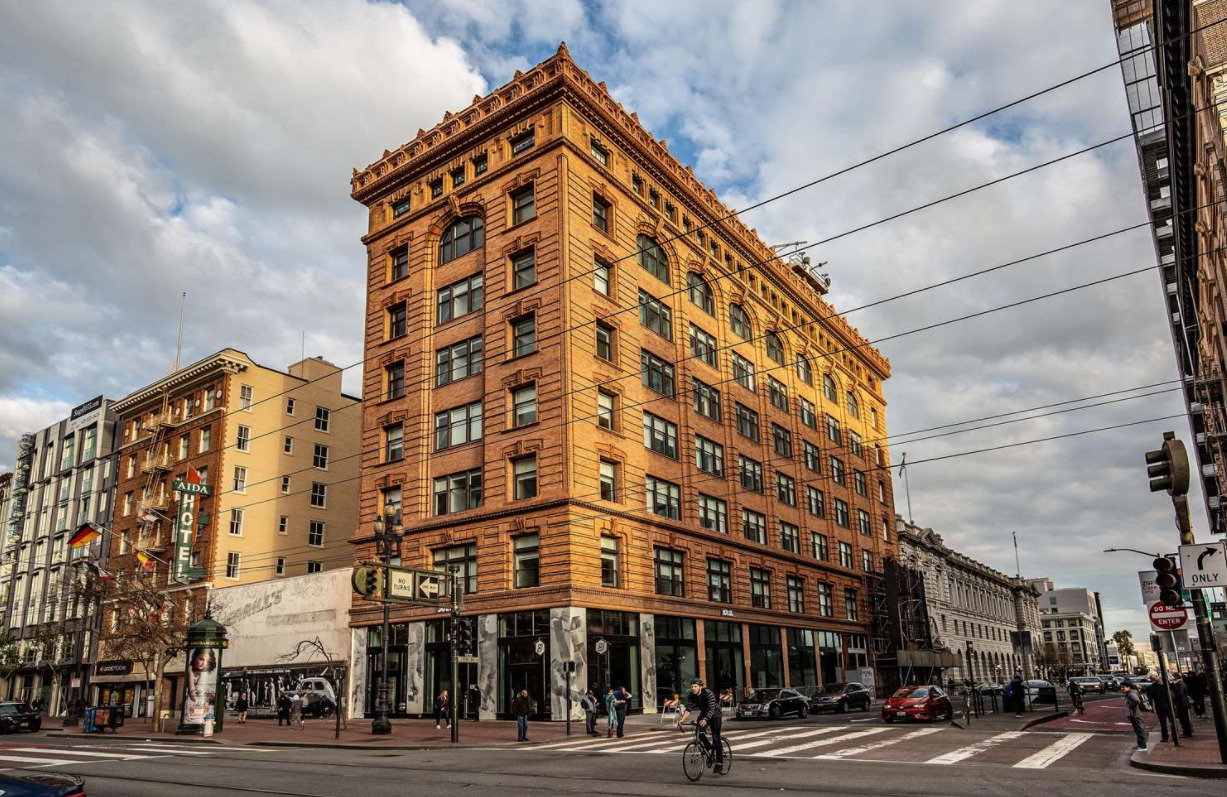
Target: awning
(134,678)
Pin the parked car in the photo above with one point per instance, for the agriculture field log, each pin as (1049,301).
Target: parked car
(319,700)
(841,697)
(1090,683)
(19,716)
(42,786)
(773,703)
(918,702)
(989,689)
(1040,691)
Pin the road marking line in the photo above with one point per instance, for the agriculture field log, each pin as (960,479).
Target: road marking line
(775,739)
(167,749)
(865,748)
(604,746)
(819,743)
(1053,752)
(955,756)
(51,762)
(74,752)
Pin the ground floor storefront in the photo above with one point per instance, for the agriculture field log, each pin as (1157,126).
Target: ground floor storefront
(653,656)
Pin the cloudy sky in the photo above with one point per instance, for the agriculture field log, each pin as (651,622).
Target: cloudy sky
(154,147)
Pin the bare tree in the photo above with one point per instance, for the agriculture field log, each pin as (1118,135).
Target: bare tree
(10,657)
(49,642)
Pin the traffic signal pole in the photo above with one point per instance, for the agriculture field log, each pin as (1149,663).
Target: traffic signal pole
(453,574)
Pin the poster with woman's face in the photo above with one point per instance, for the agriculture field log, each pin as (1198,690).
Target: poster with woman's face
(200,693)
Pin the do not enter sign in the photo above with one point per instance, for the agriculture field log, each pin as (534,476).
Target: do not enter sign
(1167,618)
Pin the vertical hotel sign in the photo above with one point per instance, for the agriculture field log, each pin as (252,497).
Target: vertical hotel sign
(189,490)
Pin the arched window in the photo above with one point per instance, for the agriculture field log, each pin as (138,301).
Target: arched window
(461,238)
(775,348)
(651,258)
(700,293)
(804,371)
(854,407)
(828,387)
(739,322)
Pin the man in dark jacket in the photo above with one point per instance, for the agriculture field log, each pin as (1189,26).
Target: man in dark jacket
(240,707)
(1163,709)
(283,709)
(622,702)
(1018,693)
(1196,684)
(522,708)
(1180,706)
(703,701)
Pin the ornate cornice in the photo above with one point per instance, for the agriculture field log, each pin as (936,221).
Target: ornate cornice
(226,361)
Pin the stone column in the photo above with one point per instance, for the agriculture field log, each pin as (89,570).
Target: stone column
(487,665)
(647,662)
(415,671)
(357,672)
(568,642)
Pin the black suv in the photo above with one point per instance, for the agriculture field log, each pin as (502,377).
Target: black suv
(841,698)
(19,716)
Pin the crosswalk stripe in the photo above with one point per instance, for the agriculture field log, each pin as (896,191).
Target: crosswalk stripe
(820,743)
(1053,752)
(72,753)
(865,748)
(735,736)
(955,756)
(614,745)
(774,739)
(176,750)
(27,760)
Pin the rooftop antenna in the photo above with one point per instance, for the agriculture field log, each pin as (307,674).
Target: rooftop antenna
(303,349)
(179,345)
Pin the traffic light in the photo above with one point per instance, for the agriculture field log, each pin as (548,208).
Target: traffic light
(1167,579)
(366,581)
(1169,467)
(464,634)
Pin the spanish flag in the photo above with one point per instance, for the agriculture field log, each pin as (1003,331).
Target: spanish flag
(193,475)
(146,561)
(84,535)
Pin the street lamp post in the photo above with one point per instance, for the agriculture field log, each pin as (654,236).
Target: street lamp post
(388,534)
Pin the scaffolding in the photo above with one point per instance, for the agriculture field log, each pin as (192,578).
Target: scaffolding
(901,635)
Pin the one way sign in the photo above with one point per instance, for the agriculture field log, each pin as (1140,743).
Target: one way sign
(1204,565)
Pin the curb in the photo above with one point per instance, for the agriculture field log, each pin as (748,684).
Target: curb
(370,747)
(1038,721)
(129,738)
(1140,760)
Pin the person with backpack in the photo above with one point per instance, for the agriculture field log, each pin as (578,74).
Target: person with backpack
(588,704)
(1134,706)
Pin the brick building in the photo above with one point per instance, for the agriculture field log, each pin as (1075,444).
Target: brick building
(280,452)
(698,485)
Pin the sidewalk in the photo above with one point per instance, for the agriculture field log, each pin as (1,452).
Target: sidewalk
(1196,757)
(1006,721)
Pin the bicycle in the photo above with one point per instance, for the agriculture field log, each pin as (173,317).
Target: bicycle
(700,754)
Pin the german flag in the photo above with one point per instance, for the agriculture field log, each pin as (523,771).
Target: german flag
(84,535)
(147,561)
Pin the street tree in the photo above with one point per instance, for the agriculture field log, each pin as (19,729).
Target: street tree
(1124,643)
(10,656)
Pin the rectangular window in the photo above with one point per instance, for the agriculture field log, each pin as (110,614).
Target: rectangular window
(315,534)
(458,361)
(236,522)
(458,426)
(523,270)
(743,371)
(655,315)
(863,524)
(285,485)
(670,572)
(845,555)
(240,480)
(657,374)
(600,213)
(702,346)
(314,567)
(246,396)
(781,440)
(319,458)
(818,546)
(319,495)
(605,406)
(601,277)
(526,552)
(751,473)
(866,560)
(604,342)
(796,594)
(754,526)
(841,513)
(663,498)
(524,336)
(393,442)
(760,588)
(786,488)
(436,188)
(464,558)
(719,581)
(394,380)
(833,430)
(323,419)
(854,443)
(599,153)
(458,492)
(185,445)
(206,439)
(747,422)
(860,483)
(706,400)
(778,393)
(815,502)
(480,164)
(790,537)
(283,525)
(609,480)
(459,299)
(838,474)
(813,457)
(826,604)
(524,406)
(709,455)
(524,477)
(523,206)
(280,566)
(809,415)
(289,406)
(609,562)
(659,435)
(398,317)
(713,514)
(851,611)
(523,143)
(234,561)
(400,260)
(457,176)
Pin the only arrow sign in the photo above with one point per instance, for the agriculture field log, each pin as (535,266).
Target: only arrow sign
(1201,559)
(1201,566)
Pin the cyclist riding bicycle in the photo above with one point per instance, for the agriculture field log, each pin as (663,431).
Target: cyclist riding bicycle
(704,702)
(1075,694)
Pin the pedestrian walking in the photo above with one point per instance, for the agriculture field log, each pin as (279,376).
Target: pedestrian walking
(622,702)
(475,701)
(1018,691)
(296,712)
(522,707)
(240,706)
(588,704)
(1180,707)
(1133,712)
(1196,684)
(611,712)
(1163,708)
(443,709)
(283,709)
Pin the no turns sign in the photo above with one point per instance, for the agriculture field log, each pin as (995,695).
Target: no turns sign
(1167,618)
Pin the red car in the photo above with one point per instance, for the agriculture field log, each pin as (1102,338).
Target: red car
(918,702)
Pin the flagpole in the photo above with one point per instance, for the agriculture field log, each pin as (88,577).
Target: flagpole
(1017,566)
(906,488)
